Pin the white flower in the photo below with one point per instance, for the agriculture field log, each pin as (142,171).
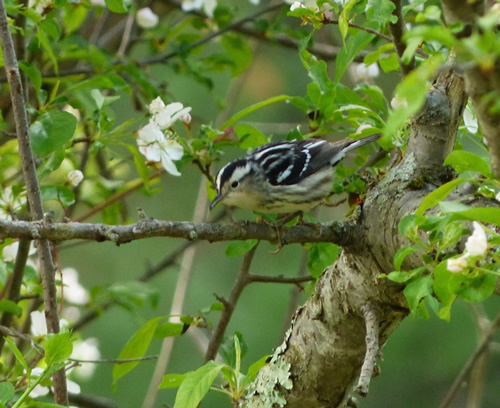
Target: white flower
(146,18)
(166,117)
(398,102)
(363,127)
(9,252)
(98,3)
(39,391)
(40,5)
(470,120)
(156,105)
(295,5)
(365,72)
(497,197)
(74,292)
(73,387)
(10,204)
(87,349)
(207,5)
(73,111)
(255,2)
(156,147)
(186,118)
(38,323)
(75,177)
(457,265)
(477,243)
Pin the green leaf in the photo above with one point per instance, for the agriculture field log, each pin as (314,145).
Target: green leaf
(486,215)
(253,370)
(402,254)
(172,380)
(233,348)
(169,329)
(344,18)
(51,131)
(136,347)
(58,348)
(320,256)
(439,194)
(249,136)
(238,248)
(399,277)
(196,385)
(418,289)
(6,392)
(10,307)
(389,63)
(18,354)
(441,287)
(119,6)
(33,73)
(473,288)
(240,52)
(462,161)
(58,193)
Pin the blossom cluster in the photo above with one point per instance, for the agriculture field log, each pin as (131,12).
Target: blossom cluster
(153,144)
(476,245)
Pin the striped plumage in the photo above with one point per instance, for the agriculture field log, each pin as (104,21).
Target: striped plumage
(283,177)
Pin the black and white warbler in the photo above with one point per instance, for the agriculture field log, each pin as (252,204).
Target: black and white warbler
(283,177)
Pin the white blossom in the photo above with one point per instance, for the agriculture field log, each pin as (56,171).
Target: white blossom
(9,252)
(75,177)
(365,72)
(477,243)
(9,203)
(156,147)
(362,127)
(167,116)
(398,102)
(255,2)
(208,6)
(39,324)
(497,197)
(295,5)
(470,120)
(74,292)
(98,3)
(146,18)
(73,111)
(457,265)
(87,349)
(40,5)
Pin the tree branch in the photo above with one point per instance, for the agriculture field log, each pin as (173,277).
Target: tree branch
(341,233)
(33,190)
(397,30)
(242,279)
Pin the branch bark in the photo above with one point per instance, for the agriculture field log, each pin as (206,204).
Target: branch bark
(33,190)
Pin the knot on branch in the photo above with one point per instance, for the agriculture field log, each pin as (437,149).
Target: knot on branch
(106,233)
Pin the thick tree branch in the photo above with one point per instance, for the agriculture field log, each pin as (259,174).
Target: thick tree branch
(33,190)
(341,233)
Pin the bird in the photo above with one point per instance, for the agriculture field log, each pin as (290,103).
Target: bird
(283,177)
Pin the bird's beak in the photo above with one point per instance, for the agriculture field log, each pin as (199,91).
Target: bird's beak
(216,200)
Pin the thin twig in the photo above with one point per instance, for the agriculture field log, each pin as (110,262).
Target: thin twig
(372,349)
(464,372)
(280,279)
(397,30)
(33,190)
(200,213)
(242,279)
(126,35)
(16,281)
(114,360)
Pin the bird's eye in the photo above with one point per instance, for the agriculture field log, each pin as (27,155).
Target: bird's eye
(235,184)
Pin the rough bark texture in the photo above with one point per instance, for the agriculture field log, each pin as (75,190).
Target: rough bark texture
(323,352)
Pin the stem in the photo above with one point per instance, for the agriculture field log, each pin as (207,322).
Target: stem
(33,190)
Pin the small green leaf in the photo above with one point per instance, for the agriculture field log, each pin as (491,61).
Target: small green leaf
(441,287)
(462,161)
(399,277)
(249,136)
(402,254)
(58,193)
(321,255)
(253,370)
(196,385)
(18,354)
(10,307)
(238,248)
(240,52)
(473,289)
(438,195)
(483,214)
(172,380)
(418,289)
(6,392)
(119,6)
(58,348)
(169,329)
(51,131)
(136,347)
